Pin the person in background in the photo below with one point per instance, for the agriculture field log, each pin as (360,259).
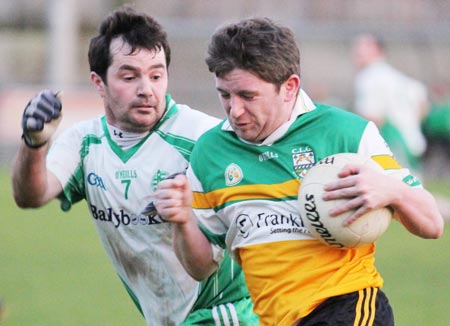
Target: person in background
(396,102)
(436,128)
(244,178)
(115,162)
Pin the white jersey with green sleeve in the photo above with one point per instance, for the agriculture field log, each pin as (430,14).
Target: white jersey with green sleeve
(117,185)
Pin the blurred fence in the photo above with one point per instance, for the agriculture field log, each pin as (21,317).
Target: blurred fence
(43,43)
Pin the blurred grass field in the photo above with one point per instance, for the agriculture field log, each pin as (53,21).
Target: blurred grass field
(53,270)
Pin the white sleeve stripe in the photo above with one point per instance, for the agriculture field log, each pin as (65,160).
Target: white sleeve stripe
(223,311)
(233,313)
(225,316)
(215,316)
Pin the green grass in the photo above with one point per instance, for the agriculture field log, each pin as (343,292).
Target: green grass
(53,271)
(416,276)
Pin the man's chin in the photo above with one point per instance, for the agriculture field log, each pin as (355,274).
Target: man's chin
(147,121)
(140,126)
(247,136)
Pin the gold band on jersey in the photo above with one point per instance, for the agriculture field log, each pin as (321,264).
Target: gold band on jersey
(365,307)
(220,197)
(387,162)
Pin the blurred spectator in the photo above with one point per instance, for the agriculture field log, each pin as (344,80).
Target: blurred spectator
(395,102)
(436,127)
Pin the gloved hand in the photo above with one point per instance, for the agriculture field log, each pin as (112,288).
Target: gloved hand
(40,118)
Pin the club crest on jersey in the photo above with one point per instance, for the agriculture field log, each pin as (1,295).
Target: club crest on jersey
(233,174)
(159,176)
(302,160)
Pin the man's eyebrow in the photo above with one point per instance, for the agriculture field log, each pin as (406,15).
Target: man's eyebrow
(244,92)
(127,67)
(221,90)
(158,65)
(132,68)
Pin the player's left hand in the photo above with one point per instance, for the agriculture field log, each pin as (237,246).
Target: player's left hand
(364,188)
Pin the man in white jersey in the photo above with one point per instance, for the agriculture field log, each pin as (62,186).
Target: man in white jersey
(115,163)
(396,102)
(245,175)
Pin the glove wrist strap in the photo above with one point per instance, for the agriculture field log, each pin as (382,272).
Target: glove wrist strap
(27,142)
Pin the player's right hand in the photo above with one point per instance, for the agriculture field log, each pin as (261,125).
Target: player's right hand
(173,200)
(40,118)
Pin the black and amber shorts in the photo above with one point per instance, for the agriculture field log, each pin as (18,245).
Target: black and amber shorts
(367,307)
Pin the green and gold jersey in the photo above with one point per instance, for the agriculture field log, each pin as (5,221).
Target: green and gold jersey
(245,195)
(117,185)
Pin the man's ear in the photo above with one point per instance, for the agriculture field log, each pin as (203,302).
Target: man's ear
(98,83)
(291,86)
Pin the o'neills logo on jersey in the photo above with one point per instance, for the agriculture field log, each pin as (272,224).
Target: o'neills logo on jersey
(233,174)
(302,160)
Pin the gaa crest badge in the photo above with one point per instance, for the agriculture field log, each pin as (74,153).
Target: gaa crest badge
(233,174)
(302,160)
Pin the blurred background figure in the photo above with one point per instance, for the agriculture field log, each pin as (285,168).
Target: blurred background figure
(396,102)
(436,127)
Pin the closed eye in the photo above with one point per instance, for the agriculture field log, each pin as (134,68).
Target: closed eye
(224,95)
(247,96)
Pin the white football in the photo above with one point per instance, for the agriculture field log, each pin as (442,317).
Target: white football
(314,211)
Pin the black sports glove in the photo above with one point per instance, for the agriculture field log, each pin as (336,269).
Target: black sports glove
(40,118)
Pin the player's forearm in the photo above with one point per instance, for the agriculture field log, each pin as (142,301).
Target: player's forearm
(416,209)
(33,186)
(194,250)
(29,178)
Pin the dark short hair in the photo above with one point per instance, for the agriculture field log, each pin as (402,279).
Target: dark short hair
(379,41)
(137,29)
(257,45)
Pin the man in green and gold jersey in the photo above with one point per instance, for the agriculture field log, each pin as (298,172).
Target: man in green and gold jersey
(245,175)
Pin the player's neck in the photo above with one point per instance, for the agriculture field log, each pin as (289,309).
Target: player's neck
(125,139)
